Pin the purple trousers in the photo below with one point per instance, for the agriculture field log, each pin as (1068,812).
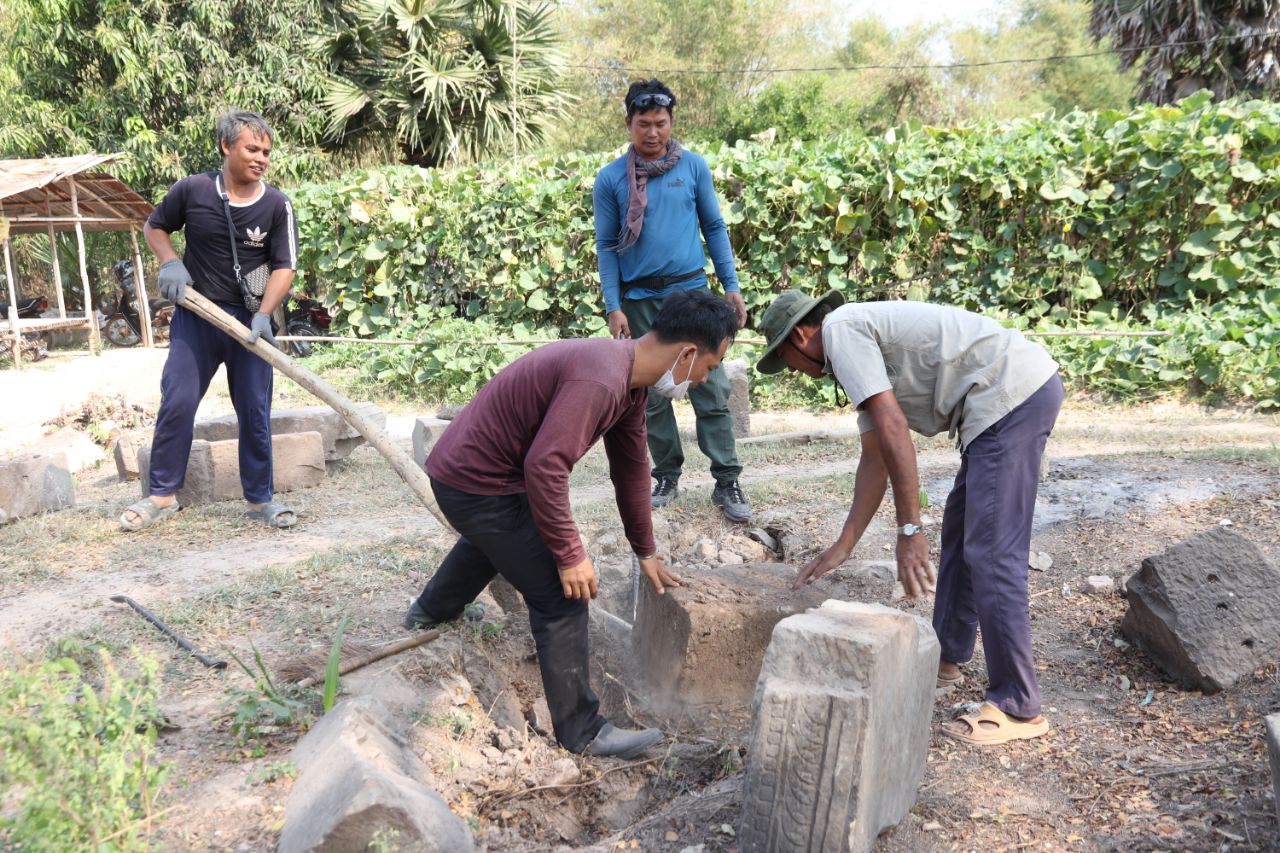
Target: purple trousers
(196,348)
(986,540)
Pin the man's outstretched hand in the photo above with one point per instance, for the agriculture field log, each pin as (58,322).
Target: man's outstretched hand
(579,581)
(915,571)
(658,575)
(821,564)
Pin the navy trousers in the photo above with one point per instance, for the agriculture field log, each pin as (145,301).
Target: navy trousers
(498,536)
(986,540)
(196,348)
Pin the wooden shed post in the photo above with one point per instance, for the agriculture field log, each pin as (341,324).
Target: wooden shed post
(95,343)
(53,254)
(140,283)
(13,305)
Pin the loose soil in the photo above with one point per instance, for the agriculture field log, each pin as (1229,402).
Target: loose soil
(1133,763)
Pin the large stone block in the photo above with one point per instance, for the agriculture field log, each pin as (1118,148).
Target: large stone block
(358,784)
(213,468)
(34,483)
(1207,610)
(702,644)
(80,450)
(339,437)
(426,432)
(840,729)
(739,395)
(1273,747)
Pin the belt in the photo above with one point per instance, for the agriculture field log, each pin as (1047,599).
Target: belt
(657,282)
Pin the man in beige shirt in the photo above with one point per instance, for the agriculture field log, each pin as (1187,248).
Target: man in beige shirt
(929,368)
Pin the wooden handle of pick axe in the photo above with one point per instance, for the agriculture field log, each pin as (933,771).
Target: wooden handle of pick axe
(403,465)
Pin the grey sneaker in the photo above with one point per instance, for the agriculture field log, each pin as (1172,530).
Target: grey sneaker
(664,492)
(731,500)
(622,743)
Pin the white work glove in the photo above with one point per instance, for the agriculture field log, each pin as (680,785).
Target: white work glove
(260,325)
(174,279)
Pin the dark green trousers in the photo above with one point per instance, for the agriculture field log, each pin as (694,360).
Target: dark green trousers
(710,402)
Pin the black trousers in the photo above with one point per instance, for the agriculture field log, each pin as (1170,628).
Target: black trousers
(499,537)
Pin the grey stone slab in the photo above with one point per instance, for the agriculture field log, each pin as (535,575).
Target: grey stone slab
(739,395)
(840,729)
(1207,610)
(1273,747)
(358,783)
(213,467)
(702,644)
(125,454)
(426,431)
(34,483)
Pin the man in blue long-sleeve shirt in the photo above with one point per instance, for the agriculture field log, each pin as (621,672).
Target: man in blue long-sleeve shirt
(650,205)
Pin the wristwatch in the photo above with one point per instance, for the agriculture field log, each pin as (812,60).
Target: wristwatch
(909,529)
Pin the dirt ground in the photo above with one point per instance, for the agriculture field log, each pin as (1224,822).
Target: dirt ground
(1132,763)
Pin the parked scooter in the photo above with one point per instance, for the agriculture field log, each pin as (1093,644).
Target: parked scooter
(35,345)
(122,326)
(306,317)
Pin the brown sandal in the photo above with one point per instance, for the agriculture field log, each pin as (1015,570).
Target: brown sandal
(989,726)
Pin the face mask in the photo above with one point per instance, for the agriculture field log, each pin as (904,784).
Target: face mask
(667,385)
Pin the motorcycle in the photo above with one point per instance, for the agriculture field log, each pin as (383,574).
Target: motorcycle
(305,318)
(35,345)
(122,326)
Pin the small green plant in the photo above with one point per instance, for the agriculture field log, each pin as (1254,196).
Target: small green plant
(459,723)
(266,710)
(385,840)
(77,759)
(271,771)
(487,630)
(335,663)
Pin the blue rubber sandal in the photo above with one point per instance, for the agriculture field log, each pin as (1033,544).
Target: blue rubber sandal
(270,514)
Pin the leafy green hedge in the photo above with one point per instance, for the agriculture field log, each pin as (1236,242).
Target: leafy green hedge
(1104,219)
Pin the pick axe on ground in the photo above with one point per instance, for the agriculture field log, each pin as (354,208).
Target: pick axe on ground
(400,461)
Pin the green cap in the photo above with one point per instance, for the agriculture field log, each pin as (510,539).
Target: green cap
(781,317)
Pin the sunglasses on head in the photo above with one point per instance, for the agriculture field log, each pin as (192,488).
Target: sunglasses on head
(644,102)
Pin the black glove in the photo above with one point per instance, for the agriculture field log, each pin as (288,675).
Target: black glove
(261,325)
(174,279)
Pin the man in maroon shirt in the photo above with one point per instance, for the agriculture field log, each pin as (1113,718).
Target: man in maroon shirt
(501,471)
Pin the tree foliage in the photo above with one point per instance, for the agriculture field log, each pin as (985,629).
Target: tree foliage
(1142,216)
(1227,46)
(148,77)
(449,80)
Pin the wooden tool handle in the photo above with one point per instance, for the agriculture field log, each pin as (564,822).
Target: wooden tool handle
(403,465)
(377,655)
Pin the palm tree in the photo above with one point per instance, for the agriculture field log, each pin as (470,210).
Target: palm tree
(441,77)
(1228,46)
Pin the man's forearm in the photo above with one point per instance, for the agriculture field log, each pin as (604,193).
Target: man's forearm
(160,243)
(277,288)
(868,492)
(899,456)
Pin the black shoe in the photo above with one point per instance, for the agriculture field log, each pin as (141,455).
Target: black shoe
(417,616)
(664,492)
(732,502)
(622,743)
